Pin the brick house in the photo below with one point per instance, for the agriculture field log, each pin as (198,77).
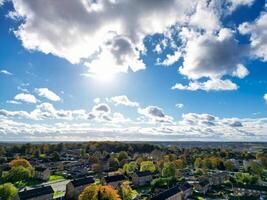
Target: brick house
(202,186)
(42,173)
(186,189)
(76,186)
(142,178)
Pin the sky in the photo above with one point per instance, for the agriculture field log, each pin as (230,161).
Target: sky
(138,70)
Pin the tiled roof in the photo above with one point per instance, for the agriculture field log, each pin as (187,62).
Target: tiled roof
(144,173)
(82,181)
(167,193)
(28,194)
(115,178)
(185,186)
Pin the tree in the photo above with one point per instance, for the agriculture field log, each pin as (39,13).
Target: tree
(114,163)
(18,174)
(8,191)
(123,155)
(55,156)
(147,166)
(96,167)
(254,168)
(126,192)
(168,170)
(130,168)
(20,162)
(99,192)
(179,163)
(229,165)
(198,163)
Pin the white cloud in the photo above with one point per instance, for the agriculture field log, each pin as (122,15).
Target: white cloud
(234,4)
(155,113)
(28,98)
(5,71)
(97,100)
(45,92)
(265,98)
(90,23)
(13,102)
(124,100)
(210,55)
(179,105)
(171,58)
(258,36)
(213,84)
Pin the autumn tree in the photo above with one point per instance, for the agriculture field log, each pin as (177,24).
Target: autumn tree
(20,162)
(99,192)
(179,163)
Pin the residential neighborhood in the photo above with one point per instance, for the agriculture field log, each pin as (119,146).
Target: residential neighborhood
(135,171)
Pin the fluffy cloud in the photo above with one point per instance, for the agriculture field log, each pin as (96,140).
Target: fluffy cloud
(171,58)
(179,105)
(213,84)
(155,113)
(192,126)
(46,111)
(89,23)
(265,98)
(101,108)
(258,36)
(212,56)
(124,100)
(5,71)
(28,98)
(45,92)
(234,4)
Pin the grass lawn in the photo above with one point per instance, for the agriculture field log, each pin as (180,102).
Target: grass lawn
(58,194)
(55,177)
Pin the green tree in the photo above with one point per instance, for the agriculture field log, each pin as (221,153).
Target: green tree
(99,192)
(114,163)
(123,155)
(55,156)
(254,168)
(147,166)
(168,170)
(229,165)
(130,168)
(18,174)
(8,191)
(198,163)
(126,192)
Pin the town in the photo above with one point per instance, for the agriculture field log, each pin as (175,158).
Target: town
(132,170)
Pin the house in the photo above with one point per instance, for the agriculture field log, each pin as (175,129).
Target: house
(186,189)
(42,173)
(173,193)
(42,193)
(142,178)
(114,181)
(76,186)
(202,186)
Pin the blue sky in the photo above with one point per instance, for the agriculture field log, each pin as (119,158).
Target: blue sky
(133,70)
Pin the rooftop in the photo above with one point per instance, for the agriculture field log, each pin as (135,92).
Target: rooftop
(28,194)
